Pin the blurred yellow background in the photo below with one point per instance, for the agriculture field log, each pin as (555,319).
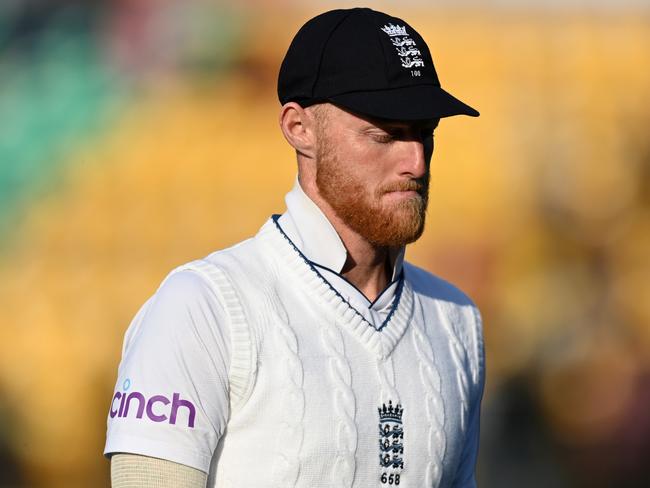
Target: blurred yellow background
(136,135)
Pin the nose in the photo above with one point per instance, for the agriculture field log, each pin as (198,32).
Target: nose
(415,161)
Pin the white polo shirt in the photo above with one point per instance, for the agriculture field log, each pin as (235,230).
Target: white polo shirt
(181,336)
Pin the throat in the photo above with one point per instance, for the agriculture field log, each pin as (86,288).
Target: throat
(371,279)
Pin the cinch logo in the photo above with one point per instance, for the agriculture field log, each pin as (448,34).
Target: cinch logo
(151,406)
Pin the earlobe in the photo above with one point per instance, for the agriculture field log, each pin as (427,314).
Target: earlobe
(298,128)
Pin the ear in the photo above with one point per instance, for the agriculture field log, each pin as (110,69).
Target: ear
(299,128)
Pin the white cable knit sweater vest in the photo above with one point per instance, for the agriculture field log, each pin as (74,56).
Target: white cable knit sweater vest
(320,398)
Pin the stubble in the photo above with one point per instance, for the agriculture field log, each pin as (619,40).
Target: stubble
(382,223)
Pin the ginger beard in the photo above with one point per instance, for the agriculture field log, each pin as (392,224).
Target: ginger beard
(382,223)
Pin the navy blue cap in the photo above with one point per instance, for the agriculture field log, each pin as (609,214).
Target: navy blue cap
(367,62)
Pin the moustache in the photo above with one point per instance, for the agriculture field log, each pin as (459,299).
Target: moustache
(418,185)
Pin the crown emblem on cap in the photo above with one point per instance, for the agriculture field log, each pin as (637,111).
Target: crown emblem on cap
(409,55)
(394,30)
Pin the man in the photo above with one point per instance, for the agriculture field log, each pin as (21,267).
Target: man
(312,354)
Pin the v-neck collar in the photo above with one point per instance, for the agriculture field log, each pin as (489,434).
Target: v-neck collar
(380,341)
(309,229)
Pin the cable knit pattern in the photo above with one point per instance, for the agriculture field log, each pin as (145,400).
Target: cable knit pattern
(344,403)
(309,378)
(286,467)
(434,404)
(381,341)
(449,317)
(387,381)
(290,436)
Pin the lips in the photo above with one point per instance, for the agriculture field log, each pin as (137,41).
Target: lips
(403,196)
(405,189)
(404,186)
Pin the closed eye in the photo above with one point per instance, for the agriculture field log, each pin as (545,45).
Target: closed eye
(387,134)
(384,138)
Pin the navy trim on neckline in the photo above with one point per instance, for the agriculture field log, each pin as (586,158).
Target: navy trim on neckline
(312,266)
(370,303)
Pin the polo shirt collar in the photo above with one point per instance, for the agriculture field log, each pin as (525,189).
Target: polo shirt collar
(311,232)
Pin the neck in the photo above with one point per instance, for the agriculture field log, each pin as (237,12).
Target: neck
(367,266)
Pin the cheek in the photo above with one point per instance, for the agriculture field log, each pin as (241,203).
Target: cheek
(367,163)
(374,157)
(363,161)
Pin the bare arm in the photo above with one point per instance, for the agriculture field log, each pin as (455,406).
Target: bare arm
(135,471)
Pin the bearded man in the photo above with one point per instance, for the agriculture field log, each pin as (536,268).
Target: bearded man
(312,354)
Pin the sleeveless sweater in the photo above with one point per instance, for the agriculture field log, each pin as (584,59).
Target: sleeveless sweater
(320,398)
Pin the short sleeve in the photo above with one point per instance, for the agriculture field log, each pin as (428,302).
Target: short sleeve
(171,396)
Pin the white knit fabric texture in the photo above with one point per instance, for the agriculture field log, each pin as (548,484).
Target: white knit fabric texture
(338,369)
(309,374)
(243,355)
(435,406)
(450,319)
(287,464)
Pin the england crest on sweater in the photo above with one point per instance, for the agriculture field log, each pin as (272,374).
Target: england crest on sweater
(319,397)
(391,443)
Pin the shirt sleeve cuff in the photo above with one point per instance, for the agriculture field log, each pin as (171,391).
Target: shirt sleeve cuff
(148,447)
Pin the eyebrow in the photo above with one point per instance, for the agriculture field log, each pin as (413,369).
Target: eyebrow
(392,125)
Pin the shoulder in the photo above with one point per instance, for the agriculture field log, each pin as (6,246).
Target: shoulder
(455,309)
(182,285)
(243,255)
(199,279)
(189,293)
(184,300)
(434,287)
(249,263)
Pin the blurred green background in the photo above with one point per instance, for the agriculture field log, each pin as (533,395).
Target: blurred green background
(136,135)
